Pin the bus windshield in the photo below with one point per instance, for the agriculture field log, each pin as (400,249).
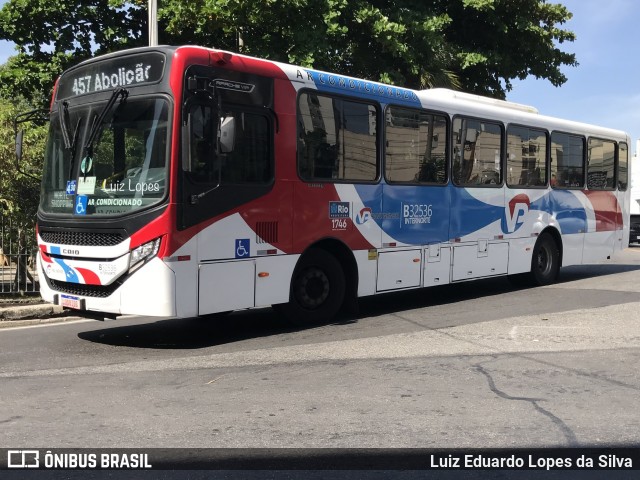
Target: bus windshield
(121,169)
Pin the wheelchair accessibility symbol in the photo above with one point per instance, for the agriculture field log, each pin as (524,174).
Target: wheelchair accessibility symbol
(81,205)
(242,247)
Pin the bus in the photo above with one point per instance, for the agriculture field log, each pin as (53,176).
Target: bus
(188,181)
(634,236)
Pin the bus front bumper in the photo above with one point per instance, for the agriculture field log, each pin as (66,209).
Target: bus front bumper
(149,291)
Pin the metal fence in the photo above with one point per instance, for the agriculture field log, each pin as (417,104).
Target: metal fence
(17,258)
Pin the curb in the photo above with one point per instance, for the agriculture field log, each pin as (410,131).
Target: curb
(22,315)
(21,312)
(9,324)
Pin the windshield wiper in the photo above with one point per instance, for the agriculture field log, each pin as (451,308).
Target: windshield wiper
(100,119)
(69,142)
(63,116)
(72,148)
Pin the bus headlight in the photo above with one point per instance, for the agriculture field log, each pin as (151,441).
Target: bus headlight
(144,252)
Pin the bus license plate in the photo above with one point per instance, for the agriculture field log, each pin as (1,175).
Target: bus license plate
(70,302)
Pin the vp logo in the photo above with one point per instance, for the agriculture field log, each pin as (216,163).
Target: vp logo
(515,212)
(363,216)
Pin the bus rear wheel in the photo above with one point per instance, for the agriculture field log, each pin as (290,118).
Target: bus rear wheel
(545,263)
(317,289)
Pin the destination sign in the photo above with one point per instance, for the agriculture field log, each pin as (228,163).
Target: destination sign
(127,71)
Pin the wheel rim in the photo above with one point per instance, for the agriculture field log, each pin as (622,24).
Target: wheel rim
(313,288)
(543,260)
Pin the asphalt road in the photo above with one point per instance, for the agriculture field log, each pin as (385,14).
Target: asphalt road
(479,364)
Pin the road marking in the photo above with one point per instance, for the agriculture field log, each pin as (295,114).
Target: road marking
(216,379)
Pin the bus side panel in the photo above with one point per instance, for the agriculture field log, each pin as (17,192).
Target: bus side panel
(603,217)
(437,265)
(325,210)
(150,291)
(623,229)
(476,213)
(520,253)
(184,263)
(273,279)
(526,215)
(367,262)
(367,212)
(569,213)
(416,215)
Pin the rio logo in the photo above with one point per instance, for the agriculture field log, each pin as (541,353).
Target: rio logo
(339,209)
(516,211)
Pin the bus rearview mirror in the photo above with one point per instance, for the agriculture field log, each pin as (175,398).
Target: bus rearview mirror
(227,134)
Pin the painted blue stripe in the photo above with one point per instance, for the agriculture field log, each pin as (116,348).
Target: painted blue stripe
(338,84)
(70,274)
(401,212)
(568,210)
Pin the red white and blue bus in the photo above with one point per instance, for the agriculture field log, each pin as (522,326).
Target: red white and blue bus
(186,181)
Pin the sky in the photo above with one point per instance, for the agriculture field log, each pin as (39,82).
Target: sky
(603,90)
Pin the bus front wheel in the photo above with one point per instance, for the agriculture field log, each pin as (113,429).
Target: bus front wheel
(545,263)
(317,289)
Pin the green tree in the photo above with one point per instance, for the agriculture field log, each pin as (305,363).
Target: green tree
(52,35)
(19,193)
(474,45)
(497,41)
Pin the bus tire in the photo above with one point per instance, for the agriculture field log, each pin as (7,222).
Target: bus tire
(545,262)
(317,289)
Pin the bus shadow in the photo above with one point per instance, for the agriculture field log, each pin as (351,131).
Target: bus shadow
(481,289)
(191,333)
(252,326)
(581,272)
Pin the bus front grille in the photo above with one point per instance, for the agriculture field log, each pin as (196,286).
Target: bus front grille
(86,239)
(81,290)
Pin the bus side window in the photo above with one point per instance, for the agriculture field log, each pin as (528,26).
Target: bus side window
(623,166)
(567,160)
(415,147)
(601,164)
(250,160)
(477,152)
(337,139)
(526,157)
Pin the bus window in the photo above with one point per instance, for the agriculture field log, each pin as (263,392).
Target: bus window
(567,160)
(526,157)
(623,166)
(416,144)
(601,164)
(247,161)
(199,164)
(477,146)
(337,139)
